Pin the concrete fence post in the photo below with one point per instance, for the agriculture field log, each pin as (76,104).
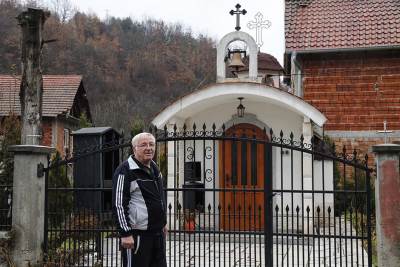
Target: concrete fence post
(387,198)
(28,203)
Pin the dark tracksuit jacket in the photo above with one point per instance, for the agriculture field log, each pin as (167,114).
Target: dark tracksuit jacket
(138,198)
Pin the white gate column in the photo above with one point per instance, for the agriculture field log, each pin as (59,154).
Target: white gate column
(307,175)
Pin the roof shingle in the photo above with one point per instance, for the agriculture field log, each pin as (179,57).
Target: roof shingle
(58,94)
(331,24)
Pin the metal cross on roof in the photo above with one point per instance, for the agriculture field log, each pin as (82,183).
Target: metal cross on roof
(238,12)
(259,24)
(385,131)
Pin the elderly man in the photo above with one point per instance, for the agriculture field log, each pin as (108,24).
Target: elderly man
(139,206)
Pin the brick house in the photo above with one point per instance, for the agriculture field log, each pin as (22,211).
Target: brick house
(344,59)
(64,100)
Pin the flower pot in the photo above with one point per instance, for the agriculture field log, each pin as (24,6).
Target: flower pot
(190,225)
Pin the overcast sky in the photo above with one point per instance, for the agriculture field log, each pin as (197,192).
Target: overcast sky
(209,17)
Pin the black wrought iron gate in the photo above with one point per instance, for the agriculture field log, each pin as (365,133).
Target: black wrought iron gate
(236,197)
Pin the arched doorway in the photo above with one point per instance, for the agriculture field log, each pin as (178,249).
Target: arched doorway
(241,172)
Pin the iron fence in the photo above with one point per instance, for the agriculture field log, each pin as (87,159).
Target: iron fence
(5,204)
(241,196)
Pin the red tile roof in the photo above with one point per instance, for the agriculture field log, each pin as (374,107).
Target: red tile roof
(265,62)
(58,94)
(268,62)
(331,24)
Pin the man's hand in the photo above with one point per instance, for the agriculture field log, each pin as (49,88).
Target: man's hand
(127,242)
(165,230)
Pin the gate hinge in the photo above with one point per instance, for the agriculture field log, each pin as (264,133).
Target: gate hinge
(40,170)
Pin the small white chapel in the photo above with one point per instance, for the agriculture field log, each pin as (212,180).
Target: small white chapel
(247,98)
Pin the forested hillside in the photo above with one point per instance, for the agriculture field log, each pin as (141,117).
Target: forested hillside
(131,68)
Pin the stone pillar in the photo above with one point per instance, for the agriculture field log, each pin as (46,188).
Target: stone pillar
(387,199)
(28,203)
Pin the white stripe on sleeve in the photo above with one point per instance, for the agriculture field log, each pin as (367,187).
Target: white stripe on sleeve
(118,203)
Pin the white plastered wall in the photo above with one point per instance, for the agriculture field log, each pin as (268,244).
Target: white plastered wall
(261,112)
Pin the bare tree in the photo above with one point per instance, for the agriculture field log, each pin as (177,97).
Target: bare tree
(33,3)
(64,9)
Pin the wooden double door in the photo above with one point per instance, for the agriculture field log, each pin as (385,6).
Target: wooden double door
(241,172)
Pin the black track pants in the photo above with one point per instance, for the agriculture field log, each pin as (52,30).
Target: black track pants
(148,251)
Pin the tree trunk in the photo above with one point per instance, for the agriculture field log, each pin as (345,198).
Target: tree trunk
(31,90)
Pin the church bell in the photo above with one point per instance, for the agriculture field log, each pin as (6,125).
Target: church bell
(236,62)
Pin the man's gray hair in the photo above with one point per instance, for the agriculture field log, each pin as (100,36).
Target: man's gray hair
(137,137)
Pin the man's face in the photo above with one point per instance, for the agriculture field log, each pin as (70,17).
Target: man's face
(144,150)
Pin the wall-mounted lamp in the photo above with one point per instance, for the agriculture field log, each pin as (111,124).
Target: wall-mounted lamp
(240,108)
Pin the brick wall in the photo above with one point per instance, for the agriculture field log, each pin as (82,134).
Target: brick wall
(356,91)
(47,133)
(60,138)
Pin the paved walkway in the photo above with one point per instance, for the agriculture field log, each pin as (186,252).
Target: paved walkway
(334,253)
(206,251)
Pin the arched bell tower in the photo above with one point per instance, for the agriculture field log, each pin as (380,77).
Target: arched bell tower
(222,50)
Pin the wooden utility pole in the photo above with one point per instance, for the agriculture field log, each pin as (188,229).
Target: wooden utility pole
(31,91)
